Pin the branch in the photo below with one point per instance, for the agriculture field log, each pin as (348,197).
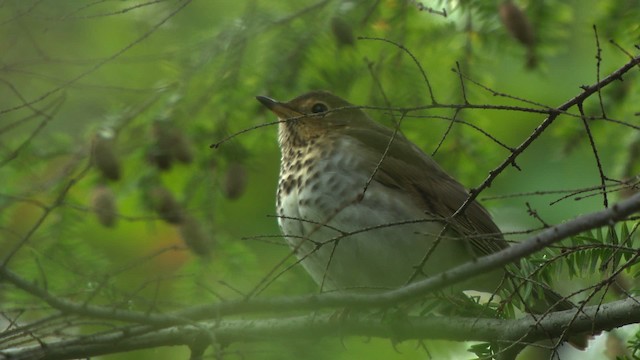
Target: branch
(420,288)
(587,91)
(528,329)
(460,273)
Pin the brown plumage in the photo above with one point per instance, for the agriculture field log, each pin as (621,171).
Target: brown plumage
(347,239)
(404,167)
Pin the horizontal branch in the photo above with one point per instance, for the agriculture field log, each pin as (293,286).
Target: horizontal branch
(593,318)
(420,288)
(460,273)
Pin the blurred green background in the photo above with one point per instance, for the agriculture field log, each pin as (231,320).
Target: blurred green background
(150,85)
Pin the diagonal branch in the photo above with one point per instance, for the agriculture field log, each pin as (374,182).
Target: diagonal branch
(587,91)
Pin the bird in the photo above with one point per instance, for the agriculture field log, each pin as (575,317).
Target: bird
(361,206)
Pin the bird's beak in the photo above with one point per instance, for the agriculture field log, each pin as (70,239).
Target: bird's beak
(278,108)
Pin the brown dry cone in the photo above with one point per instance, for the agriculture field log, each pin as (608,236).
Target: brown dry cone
(342,32)
(104,206)
(235,181)
(166,205)
(182,148)
(170,143)
(161,153)
(159,157)
(518,25)
(104,154)
(195,237)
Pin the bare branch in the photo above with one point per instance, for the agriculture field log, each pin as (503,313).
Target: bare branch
(527,330)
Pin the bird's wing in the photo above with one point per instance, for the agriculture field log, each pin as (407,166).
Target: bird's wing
(408,168)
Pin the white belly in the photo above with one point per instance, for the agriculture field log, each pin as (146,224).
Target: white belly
(331,231)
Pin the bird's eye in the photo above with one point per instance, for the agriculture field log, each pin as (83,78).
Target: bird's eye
(318,108)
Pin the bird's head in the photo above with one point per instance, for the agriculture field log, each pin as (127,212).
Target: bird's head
(313,115)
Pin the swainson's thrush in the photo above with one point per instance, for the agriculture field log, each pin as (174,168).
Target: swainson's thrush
(361,205)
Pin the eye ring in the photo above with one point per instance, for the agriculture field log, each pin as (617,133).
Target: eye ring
(319,108)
